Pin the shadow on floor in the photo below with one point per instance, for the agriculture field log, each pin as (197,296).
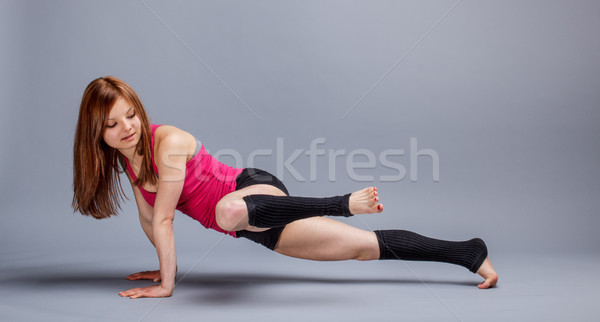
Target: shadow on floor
(206,280)
(219,280)
(230,289)
(216,289)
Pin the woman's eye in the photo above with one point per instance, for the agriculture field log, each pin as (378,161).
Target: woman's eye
(131,116)
(111,126)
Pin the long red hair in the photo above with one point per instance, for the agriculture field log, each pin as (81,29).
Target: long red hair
(97,189)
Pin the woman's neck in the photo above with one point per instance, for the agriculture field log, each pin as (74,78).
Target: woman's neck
(129,153)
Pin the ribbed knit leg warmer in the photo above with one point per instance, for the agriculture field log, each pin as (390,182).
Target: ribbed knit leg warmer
(407,245)
(268,211)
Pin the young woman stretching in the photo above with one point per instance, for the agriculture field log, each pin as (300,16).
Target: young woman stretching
(169,169)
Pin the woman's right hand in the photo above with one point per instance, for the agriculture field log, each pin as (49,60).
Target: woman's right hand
(147,275)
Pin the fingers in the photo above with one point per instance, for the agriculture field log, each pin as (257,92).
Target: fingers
(130,292)
(133,276)
(136,276)
(135,293)
(147,275)
(150,291)
(138,295)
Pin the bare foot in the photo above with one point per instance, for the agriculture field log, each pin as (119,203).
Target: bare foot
(487,271)
(365,201)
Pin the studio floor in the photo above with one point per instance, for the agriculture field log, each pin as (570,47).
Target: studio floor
(258,285)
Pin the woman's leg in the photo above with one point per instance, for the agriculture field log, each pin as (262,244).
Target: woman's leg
(319,238)
(231,212)
(265,206)
(326,239)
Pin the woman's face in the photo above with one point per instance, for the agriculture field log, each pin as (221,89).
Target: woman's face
(122,129)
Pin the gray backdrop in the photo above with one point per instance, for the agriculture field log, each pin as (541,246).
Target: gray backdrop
(505,92)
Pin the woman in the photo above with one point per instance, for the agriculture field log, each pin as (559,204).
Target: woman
(169,169)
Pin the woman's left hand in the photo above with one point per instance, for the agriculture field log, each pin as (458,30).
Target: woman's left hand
(150,291)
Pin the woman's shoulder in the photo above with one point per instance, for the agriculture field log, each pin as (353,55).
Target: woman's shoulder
(171,137)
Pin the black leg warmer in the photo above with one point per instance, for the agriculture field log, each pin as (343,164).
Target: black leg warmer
(268,211)
(407,245)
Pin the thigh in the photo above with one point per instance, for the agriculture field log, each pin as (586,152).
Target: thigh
(321,238)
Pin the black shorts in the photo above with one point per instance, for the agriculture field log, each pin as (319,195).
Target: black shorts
(252,176)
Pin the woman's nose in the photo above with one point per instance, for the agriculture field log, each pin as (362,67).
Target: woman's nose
(126,125)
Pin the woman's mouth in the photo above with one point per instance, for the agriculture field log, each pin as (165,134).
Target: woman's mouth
(128,138)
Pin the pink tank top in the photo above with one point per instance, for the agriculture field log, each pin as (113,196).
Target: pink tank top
(206,181)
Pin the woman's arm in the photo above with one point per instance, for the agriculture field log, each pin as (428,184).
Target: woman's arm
(145,213)
(144,209)
(170,158)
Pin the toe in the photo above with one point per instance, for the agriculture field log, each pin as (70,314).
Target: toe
(487,283)
(380,207)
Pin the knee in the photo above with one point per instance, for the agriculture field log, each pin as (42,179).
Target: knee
(369,250)
(366,255)
(231,215)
